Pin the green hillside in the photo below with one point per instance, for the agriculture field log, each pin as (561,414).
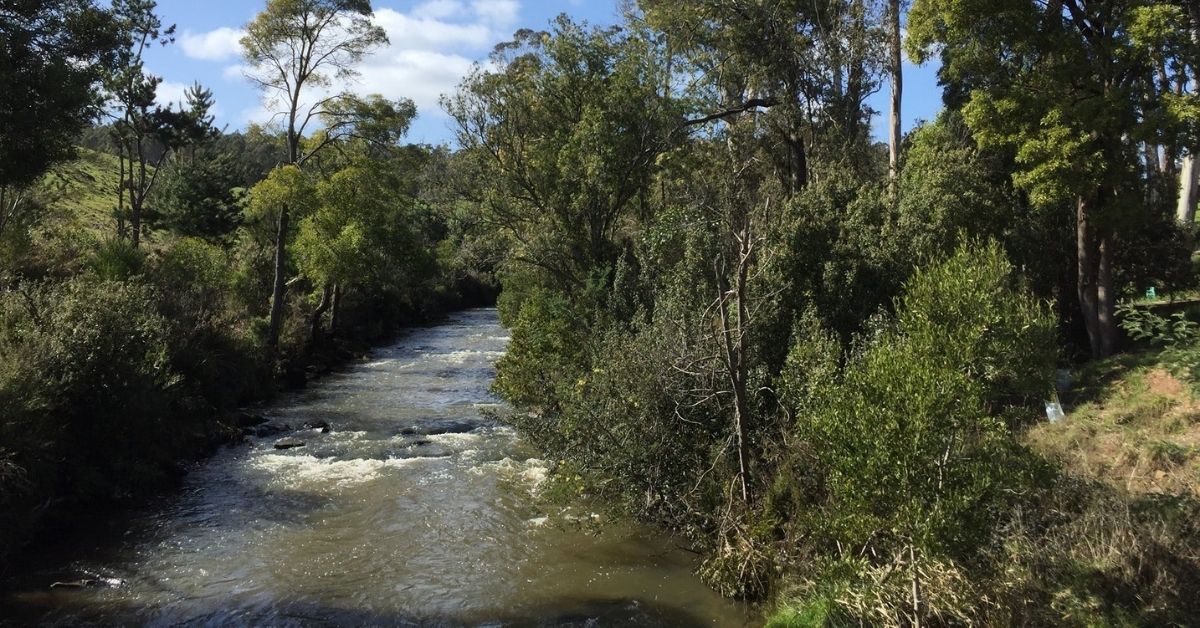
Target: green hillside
(81,194)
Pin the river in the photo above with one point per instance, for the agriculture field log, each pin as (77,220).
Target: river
(415,509)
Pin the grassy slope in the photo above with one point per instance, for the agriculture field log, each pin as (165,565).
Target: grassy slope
(1130,424)
(81,194)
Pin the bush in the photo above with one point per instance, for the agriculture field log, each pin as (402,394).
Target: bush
(913,440)
(87,383)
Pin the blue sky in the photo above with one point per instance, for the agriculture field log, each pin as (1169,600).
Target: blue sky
(433,44)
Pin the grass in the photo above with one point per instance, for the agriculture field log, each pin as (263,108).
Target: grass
(1112,538)
(1132,424)
(81,194)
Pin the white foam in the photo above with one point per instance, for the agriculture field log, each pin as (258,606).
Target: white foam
(463,439)
(300,472)
(460,357)
(531,472)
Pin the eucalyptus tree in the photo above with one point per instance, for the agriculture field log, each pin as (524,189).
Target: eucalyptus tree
(896,69)
(296,50)
(567,125)
(811,64)
(1058,84)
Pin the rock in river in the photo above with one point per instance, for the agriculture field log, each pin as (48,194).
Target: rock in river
(288,443)
(319,424)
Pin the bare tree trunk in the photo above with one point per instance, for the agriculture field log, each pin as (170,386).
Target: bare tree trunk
(1086,267)
(137,196)
(1189,186)
(1189,174)
(897,71)
(280,283)
(1106,304)
(734,339)
(337,309)
(314,334)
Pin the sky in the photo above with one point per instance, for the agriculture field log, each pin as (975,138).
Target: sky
(433,44)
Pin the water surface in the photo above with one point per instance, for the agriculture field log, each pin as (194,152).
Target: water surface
(414,510)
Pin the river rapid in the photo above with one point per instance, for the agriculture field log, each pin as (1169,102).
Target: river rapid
(415,509)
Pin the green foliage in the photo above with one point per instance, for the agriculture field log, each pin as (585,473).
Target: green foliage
(912,440)
(1178,335)
(86,380)
(562,177)
(117,260)
(196,196)
(52,54)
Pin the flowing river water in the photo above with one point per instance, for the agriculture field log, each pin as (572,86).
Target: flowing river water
(415,509)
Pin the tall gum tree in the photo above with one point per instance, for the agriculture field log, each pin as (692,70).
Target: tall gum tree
(295,50)
(1056,83)
(811,64)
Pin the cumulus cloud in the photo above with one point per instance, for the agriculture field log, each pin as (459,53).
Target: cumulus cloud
(421,75)
(215,45)
(171,93)
(413,32)
(432,46)
(498,13)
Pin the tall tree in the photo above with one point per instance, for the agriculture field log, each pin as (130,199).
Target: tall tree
(53,54)
(1057,83)
(896,68)
(812,64)
(1189,171)
(294,47)
(568,129)
(142,131)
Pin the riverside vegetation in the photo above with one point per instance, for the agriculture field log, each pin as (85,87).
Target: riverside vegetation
(822,360)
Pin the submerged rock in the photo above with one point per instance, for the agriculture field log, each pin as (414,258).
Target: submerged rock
(319,424)
(288,443)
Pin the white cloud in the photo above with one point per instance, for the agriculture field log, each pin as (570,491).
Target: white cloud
(500,13)
(439,9)
(408,32)
(171,93)
(421,75)
(431,48)
(215,45)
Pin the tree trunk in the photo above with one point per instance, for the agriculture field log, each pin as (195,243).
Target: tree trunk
(280,283)
(1189,174)
(1106,302)
(1094,286)
(334,315)
(734,340)
(314,334)
(897,70)
(1189,181)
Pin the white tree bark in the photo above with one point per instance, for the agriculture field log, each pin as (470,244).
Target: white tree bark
(1189,180)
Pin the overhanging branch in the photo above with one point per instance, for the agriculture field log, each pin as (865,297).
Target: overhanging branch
(753,103)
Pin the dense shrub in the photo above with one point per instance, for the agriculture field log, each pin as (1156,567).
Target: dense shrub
(916,458)
(86,383)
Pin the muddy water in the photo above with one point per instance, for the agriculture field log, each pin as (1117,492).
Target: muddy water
(414,510)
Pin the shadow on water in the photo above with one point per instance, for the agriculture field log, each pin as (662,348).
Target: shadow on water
(562,613)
